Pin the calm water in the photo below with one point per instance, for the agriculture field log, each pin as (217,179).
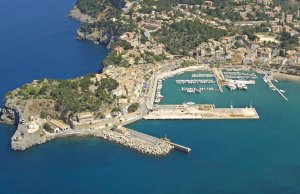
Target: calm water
(251,156)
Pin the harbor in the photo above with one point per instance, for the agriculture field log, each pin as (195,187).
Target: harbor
(199,81)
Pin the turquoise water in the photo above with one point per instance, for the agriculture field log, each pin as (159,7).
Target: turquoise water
(236,98)
(249,156)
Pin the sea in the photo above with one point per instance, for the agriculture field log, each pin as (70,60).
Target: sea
(228,156)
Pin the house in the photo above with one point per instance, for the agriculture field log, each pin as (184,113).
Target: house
(85,117)
(208,3)
(264,54)
(120,91)
(33,127)
(265,2)
(277,28)
(289,19)
(59,124)
(123,101)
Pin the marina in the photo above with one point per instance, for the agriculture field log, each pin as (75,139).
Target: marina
(236,80)
(268,78)
(198,82)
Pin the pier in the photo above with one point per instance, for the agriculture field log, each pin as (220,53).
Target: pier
(268,79)
(195,81)
(279,92)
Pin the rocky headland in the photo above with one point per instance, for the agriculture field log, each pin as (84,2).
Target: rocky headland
(76,14)
(22,139)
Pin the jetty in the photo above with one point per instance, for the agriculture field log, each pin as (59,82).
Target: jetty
(156,141)
(181,147)
(279,92)
(268,79)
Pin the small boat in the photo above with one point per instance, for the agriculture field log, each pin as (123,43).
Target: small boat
(282,91)
(190,103)
(157,100)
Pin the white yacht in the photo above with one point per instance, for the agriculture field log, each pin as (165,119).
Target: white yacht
(190,103)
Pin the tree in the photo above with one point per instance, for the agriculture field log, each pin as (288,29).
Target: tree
(47,127)
(133,107)
(43,115)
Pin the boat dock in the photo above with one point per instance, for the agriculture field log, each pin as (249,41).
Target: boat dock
(195,81)
(268,79)
(279,92)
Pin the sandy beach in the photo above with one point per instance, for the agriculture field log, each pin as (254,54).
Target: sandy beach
(283,76)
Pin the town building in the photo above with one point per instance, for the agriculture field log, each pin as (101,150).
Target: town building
(85,117)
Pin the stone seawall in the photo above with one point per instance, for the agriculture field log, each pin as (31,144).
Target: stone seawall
(22,140)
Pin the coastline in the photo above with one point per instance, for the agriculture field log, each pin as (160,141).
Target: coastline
(21,140)
(287,77)
(19,143)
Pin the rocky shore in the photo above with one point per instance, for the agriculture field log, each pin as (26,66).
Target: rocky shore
(98,36)
(9,112)
(76,14)
(22,140)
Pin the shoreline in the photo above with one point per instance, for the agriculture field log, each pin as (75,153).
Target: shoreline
(27,141)
(287,77)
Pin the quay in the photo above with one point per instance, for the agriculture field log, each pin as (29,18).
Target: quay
(219,77)
(199,112)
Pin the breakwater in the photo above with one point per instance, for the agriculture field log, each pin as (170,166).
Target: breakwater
(22,140)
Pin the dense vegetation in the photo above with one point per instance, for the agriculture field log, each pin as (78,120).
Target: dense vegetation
(116,28)
(165,5)
(181,37)
(94,7)
(288,6)
(73,95)
(288,41)
(133,107)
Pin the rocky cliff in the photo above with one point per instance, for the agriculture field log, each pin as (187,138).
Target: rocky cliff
(9,113)
(76,14)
